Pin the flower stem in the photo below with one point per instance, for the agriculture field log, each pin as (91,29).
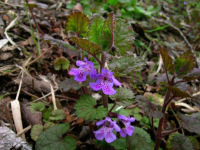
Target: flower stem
(105,101)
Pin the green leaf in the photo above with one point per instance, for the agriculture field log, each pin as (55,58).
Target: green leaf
(38,106)
(177,92)
(61,63)
(123,36)
(136,114)
(112,2)
(86,45)
(177,141)
(58,114)
(125,65)
(106,33)
(119,144)
(95,31)
(36,130)
(85,108)
(47,113)
(140,140)
(52,139)
(184,64)
(195,142)
(78,23)
(122,94)
(167,60)
(191,122)
(100,33)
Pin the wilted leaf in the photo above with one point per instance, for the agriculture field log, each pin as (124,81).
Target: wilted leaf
(70,83)
(38,106)
(52,139)
(184,64)
(194,74)
(140,140)
(78,23)
(177,92)
(150,109)
(122,94)
(61,63)
(36,130)
(85,108)
(86,45)
(58,114)
(191,122)
(177,141)
(167,60)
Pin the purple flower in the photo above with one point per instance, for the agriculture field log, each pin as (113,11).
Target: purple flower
(105,81)
(106,131)
(128,129)
(85,68)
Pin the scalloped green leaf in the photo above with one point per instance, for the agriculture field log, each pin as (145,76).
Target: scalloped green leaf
(195,142)
(61,63)
(54,138)
(191,122)
(125,65)
(119,144)
(97,31)
(123,36)
(122,94)
(78,23)
(101,32)
(58,114)
(36,130)
(167,60)
(136,114)
(37,106)
(86,45)
(177,141)
(86,108)
(140,140)
(184,64)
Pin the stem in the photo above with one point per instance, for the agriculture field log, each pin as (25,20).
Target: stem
(112,30)
(105,97)
(39,29)
(159,132)
(112,107)
(105,101)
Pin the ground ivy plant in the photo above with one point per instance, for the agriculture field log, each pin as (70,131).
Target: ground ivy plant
(95,38)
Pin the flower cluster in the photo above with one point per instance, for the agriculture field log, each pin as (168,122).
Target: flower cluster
(108,126)
(104,81)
